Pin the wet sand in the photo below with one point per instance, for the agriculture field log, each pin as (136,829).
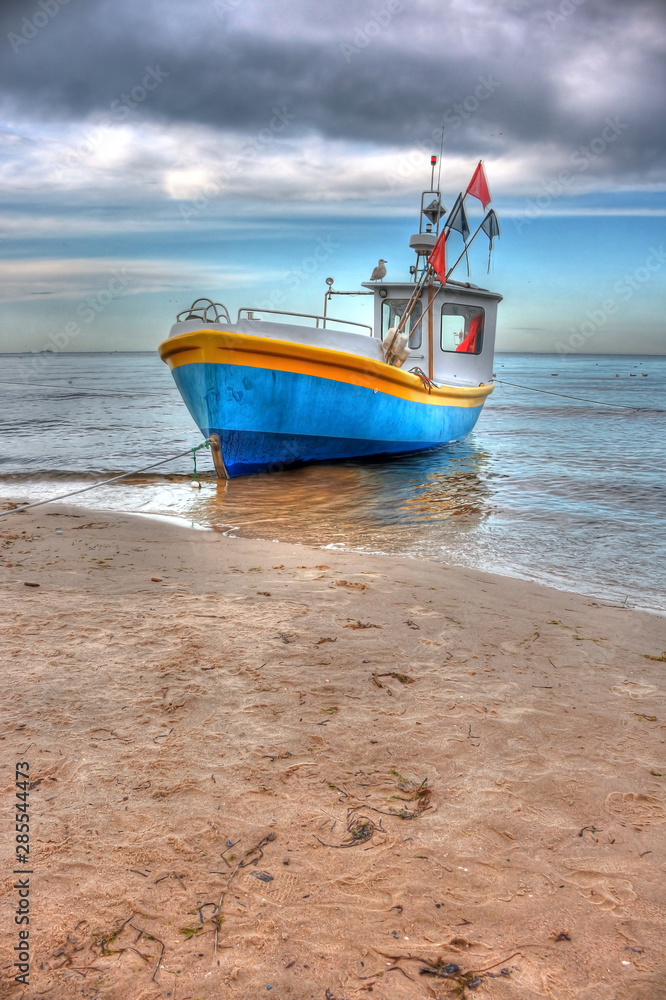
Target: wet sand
(280,766)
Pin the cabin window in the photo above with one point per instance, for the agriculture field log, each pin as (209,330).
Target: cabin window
(462,328)
(392,310)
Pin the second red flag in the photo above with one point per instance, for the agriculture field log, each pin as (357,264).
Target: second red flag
(437,258)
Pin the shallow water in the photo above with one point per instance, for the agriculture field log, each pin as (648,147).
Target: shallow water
(547,488)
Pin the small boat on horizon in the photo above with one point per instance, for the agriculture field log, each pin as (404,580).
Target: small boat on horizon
(275,389)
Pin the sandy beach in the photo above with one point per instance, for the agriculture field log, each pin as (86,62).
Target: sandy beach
(268,767)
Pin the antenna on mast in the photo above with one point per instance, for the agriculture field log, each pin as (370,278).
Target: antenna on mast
(441,153)
(432,211)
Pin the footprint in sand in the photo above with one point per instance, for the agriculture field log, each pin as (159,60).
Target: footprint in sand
(609,893)
(635,808)
(284,889)
(606,885)
(634,689)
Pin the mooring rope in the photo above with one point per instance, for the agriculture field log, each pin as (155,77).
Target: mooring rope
(581,399)
(82,388)
(114,479)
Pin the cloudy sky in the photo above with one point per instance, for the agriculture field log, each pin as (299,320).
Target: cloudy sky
(154,152)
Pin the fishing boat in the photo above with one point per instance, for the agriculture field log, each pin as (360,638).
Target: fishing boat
(274,389)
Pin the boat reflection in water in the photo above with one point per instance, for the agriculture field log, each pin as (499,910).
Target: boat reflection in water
(458,490)
(378,506)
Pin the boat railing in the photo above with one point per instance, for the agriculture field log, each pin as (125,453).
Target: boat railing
(248,313)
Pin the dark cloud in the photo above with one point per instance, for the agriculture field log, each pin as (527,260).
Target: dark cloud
(503,73)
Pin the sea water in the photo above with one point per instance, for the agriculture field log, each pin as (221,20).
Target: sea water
(564,491)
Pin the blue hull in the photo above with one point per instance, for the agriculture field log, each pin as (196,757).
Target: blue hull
(268,420)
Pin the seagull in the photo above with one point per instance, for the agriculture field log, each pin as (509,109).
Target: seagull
(380,271)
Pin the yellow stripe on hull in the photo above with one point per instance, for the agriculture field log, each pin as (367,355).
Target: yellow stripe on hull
(218,347)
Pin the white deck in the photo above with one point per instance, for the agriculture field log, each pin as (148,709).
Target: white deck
(335,340)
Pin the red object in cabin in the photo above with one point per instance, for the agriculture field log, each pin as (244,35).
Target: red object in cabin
(468,346)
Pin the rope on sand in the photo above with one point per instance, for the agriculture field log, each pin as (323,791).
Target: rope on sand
(114,479)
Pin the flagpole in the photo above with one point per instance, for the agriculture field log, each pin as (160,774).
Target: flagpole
(466,192)
(459,208)
(418,322)
(462,205)
(416,295)
(465,249)
(431,339)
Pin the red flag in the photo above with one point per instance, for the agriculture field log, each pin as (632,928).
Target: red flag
(478,186)
(437,258)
